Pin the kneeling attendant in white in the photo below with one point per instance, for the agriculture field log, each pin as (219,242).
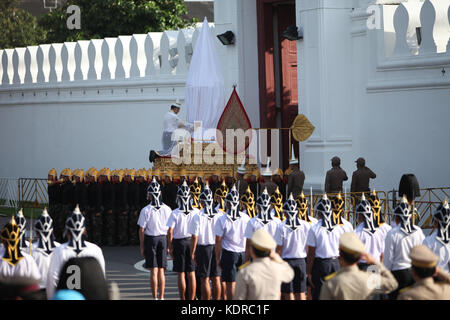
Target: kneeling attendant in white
(399,242)
(15,262)
(44,247)
(230,241)
(178,239)
(75,247)
(153,237)
(265,219)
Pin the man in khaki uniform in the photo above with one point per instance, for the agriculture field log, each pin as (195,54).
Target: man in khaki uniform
(424,267)
(350,283)
(335,176)
(361,177)
(261,279)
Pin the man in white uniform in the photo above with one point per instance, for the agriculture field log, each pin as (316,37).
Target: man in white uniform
(203,244)
(15,262)
(323,246)
(76,246)
(291,238)
(43,249)
(439,241)
(179,241)
(371,236)
(153,237)
(399,242)
(230,241)
(265,219)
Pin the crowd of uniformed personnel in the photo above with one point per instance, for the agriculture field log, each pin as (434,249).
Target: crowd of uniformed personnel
(111,200)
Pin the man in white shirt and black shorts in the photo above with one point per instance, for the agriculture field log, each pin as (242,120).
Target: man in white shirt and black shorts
(230,241)
(291,238)
(323,246)
(399,242)
(153,237)
(179,241)
(203,245)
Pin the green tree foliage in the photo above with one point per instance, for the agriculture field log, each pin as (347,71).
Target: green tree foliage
(111,18)
(18,28)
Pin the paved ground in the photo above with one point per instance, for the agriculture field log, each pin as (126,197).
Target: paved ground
(124,266)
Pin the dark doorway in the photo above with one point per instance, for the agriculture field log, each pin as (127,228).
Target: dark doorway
(278,92)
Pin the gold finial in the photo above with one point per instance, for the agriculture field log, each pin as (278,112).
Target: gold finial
(302,195)
(339,196)
(374,193)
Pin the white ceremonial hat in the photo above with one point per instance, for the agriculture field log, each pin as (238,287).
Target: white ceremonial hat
(241,169)
(293,159)
(267,172)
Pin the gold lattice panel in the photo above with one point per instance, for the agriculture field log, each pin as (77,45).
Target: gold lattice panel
(203,168)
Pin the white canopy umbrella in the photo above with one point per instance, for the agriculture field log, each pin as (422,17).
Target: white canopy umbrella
(204,93)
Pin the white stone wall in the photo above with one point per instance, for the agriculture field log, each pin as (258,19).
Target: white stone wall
(89,103)
(376,93)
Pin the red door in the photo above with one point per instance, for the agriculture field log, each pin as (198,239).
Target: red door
(277,70)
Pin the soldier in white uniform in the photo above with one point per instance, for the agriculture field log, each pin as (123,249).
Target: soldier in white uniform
(291,238)
(43,249)
(15,262)
(264,219)
(76,246)
(371,236)
(203,245)
(179,241)
(152,224)
(230,241)
(399,242)
(439,241)
(323,246)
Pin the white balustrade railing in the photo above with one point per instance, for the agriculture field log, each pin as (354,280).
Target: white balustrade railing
(432,17)
(150,55)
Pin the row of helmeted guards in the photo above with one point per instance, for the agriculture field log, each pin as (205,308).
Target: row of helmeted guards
(110,201)
(43,260)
